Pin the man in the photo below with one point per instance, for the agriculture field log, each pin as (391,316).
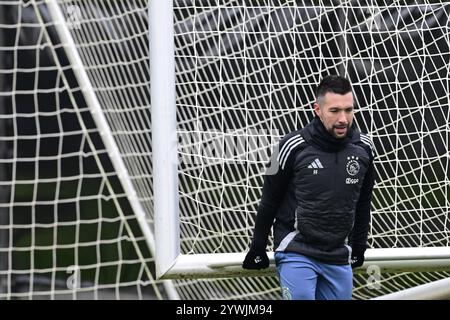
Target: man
(320,200)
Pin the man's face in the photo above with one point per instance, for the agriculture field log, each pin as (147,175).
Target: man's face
(336,112)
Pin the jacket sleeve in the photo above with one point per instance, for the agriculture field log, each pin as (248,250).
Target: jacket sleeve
(276,180)
(362,214)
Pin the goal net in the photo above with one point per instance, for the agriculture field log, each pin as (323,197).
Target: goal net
(246,71)
(68,227)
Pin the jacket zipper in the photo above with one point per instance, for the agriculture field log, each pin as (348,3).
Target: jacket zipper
(335,173)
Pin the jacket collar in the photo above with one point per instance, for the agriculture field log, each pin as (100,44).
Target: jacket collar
(324,140)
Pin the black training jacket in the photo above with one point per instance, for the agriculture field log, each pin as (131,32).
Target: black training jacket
(319,194)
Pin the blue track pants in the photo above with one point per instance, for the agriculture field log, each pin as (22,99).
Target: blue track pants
(304,278)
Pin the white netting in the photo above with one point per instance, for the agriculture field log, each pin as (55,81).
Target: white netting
(246,73)
(66,224)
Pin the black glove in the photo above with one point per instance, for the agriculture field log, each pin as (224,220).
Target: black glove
(256,260)
(357,259)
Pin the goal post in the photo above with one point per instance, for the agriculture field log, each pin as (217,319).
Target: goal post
(393,260)
(436,290)
(164,134)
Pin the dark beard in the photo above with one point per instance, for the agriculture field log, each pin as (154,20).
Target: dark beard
(331,131)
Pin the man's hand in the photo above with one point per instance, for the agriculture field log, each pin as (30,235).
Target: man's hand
(256,260)
(357,259)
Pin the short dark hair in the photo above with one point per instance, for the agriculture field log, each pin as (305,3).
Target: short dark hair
(335,84)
